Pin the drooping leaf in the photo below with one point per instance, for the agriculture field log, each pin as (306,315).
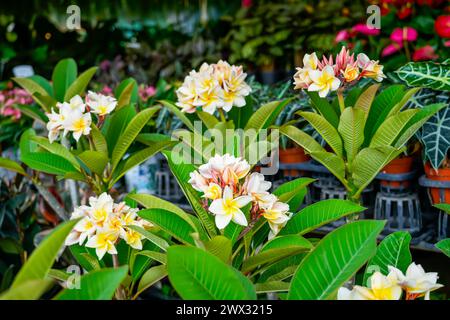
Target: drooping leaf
(197,274)
(337,257)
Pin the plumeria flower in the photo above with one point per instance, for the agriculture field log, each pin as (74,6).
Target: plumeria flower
(323,81)
(213,191)
(101,208)
(416,281)
(133,239)
(228,209)
(371,68)
(277,215)
(258,188)
(79,123)
(101,104)
(103,242)
(197,181)
(76,103)
(381,288)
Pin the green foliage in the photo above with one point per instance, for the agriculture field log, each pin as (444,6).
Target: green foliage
(426,74)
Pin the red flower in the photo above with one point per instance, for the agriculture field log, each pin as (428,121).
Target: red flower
(424,53)
(391,49)
(342,36)
(404,34)
(442,26)
(364,29)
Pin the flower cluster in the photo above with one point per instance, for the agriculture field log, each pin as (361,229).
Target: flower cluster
(11,97)
(213,86)
(227,187)
(75,116)
(103,223)
(416,283)
(325,75)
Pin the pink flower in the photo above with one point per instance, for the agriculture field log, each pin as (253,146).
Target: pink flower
(13,112)
(342,36)
(107,91)
(391,49)
(447,43)
(424,53)
(364,29)
(146,92)
(404,34)
(105,65)
(246,3)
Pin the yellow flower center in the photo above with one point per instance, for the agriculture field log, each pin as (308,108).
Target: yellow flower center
(79,124)
(102,110)
(230,206)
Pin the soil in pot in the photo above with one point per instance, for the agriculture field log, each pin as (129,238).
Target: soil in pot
(442,174)
(398,166)
(293,155)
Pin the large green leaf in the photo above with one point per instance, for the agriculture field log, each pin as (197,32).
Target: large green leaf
(208,120)
(351,128)
(444,246)
(391,128)
(426,74)
(57,149)
(96,285)
(337,257)
(48,163)
(392,251)
(39,94)
(240,116)
(443,206)
(197,274)
(42,258)
(12,166)
(29,290)
(325,129)
(129,135)
(434,137)
(272,286)
(324,107)
(301,138)
(99,140)
(266,115)
(369,162)
(171,223)
(116,124)
(80,84)
(126,93)
(293,192)
(63,76)
(319,214)
(332,162)
(365,99)
(220,246)
(150,277)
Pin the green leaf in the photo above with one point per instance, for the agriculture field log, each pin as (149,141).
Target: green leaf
(161,243)
(426,74)
(325,129)
(63,76)
(141,156)
(392,251)
(33,112)
(351,128)
(151,202)
(208,120)
(333,163)
(175,110)
(272,286)
(365,100)
(96,285)
(95,265)
(324,107)
(154,255)
(116,124)
(56,149)
(369,162)
(196,274)
(48,163)
(302,139)
(130,133)
(319,214)
(81,253)
(171,223)
(240,116)
(80,84)
(39,94)
(99,140)
(266,115)
(150,277)
(444,246)
(12,166)
(42,258)
(220,246)
(126,92)
(28,290)
(291,192)
(391,128)
(338,256)
(443,206)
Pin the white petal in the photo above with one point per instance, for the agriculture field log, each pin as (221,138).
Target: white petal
(242,201)
(239,218)
(216,207)
(222,221)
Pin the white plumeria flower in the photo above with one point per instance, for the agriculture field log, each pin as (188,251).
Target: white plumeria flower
(381,288)
(416,281)
(277,215)
(310,61)
(302,79)
(101,104)
(256,187)
(79,123)
(86,228)
(77,103)
(197,181)
(103,242)
(210,99)
(101,208)
(370,68)
(323,81)
(228,209)
(133,239)
(187,95)
(213,191)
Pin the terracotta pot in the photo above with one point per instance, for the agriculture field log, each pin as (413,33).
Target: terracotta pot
(293,155)
(442,174)
(398,166)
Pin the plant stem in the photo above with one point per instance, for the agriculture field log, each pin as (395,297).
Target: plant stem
(340,95)
(120,292)
(354,216)
(222,115)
